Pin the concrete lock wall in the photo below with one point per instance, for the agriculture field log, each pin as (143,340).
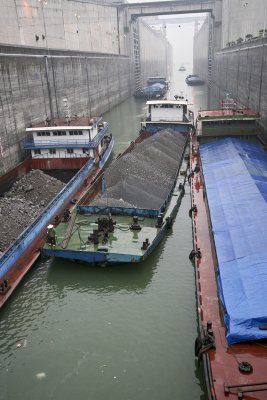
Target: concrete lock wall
(55,49)
(200,55)
(241,68)
(154,52)
(62,24)
(242,18)
(242,72)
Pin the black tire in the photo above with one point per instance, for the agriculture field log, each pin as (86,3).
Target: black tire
(198,345)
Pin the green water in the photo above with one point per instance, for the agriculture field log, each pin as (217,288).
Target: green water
(123,332)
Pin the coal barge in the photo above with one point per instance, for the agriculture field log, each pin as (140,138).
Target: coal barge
(137,196)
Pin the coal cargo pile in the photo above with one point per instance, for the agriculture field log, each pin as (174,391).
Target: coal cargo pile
(144,177)
(24,202)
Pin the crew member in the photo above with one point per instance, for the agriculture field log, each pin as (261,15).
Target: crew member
(51,235)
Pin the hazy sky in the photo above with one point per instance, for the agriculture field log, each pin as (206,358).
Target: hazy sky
(180,37)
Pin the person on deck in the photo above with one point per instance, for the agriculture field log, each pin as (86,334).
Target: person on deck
(51,235)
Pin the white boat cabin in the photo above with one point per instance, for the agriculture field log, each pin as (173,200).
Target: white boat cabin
(167,111)
(67,138)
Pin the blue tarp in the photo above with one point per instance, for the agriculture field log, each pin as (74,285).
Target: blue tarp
(235,174)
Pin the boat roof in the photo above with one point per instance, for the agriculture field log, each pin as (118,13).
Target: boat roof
(64,123)
(227,112)
(156,77)
(183,102)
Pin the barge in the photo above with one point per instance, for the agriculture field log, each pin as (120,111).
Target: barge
(228,164)
(132,213)
(77,143)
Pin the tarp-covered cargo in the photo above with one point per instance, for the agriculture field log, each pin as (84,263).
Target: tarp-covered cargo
(235,174)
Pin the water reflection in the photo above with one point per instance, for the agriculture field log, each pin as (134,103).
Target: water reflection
(200,378)
(126,278)
(25,312)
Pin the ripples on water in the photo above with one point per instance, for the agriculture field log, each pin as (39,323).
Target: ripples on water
(122,332)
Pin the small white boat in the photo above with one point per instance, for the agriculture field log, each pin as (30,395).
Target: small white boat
(163,114)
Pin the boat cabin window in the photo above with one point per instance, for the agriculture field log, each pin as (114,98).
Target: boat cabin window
(52,151)
(167,106)
(37,151)
(59,133)
(229,122)
(75,133)
(86,151)
(43,133)
(70,151)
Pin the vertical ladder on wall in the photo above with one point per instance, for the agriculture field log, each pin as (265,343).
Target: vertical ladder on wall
(136,54)
(210,50)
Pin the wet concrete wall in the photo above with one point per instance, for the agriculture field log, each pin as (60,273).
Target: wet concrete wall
(63,24)
(242,72)
(239,69)
(242,18)
(155,53)
(200,54)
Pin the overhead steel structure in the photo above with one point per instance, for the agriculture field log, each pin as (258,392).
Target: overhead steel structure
(213,7)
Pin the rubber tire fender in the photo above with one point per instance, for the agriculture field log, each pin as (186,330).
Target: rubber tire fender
(198,345)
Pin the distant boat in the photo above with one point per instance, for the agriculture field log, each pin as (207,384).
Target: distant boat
(182,68)
(194,80)
(156,88)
